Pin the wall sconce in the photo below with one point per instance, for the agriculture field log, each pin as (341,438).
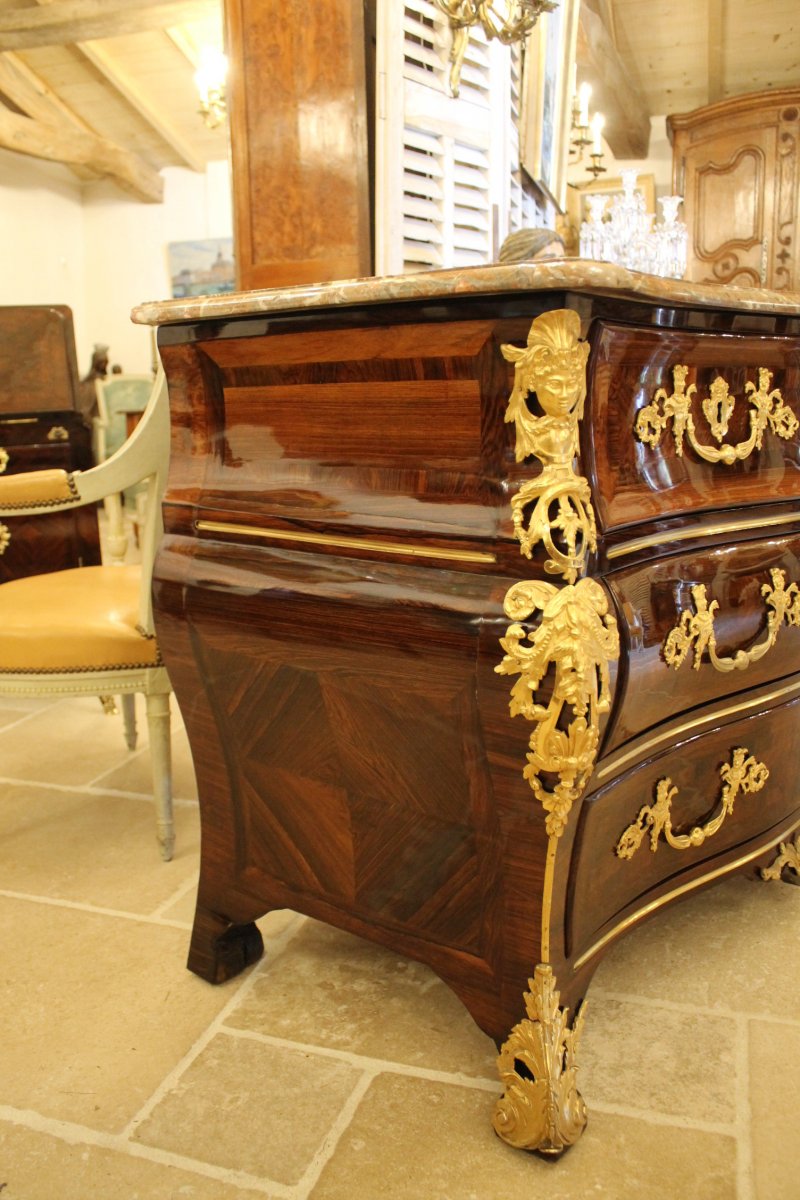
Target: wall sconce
(508,20)
(209,79)
(586,132)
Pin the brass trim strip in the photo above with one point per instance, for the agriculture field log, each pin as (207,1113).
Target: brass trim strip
(18,420)
(347,543)
(686,887)
(674,732)
(681,535)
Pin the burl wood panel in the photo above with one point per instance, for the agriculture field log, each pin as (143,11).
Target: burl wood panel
(297,102)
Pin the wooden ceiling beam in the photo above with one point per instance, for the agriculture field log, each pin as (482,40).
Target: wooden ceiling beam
(105,63)
(614,92)
(66,21)
(44,129)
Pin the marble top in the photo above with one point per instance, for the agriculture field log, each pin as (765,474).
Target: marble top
(575,274)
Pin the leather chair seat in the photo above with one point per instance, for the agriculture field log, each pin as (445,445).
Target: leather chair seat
(78,620)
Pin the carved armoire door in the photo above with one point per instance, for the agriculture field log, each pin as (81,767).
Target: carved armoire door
(736,165)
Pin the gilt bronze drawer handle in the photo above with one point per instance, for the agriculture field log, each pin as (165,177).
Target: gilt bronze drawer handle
(768,408)
(5,537)
(3,459)
(741,774)
(555,508)
(58,434)
(696,629)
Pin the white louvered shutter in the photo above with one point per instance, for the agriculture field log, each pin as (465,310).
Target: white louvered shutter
(448,185)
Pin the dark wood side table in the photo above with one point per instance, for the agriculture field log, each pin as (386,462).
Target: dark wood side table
(479,592)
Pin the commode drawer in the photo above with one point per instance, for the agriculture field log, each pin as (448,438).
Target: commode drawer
(700,626)
(683,812)
(682,422)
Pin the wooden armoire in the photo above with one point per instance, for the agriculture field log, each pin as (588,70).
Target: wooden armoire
(737,166)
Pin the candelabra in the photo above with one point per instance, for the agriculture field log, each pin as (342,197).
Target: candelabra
(586,132)
(628,235)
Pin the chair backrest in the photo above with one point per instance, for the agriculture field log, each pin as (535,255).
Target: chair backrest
(119,396)
(143,457)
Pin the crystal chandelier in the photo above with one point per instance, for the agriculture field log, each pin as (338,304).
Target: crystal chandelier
(508,20)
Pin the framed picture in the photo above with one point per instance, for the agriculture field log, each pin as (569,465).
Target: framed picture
(201,268)
(546,108)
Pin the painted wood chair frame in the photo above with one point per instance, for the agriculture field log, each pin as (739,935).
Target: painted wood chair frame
(75,671)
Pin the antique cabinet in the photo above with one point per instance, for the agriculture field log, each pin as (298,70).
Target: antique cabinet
(737,165)
(297,99)
(42,428)
(479,592)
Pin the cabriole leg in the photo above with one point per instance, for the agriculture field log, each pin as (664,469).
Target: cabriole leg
(541,1108)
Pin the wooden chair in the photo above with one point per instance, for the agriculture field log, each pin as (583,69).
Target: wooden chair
(89,630)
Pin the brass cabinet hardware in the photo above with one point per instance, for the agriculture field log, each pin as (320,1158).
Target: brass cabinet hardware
(767,409)
(578,636)
(788,856)
(5,537)
(553,365)
(743,773)
(4,457)
(342,542)
(541,1107)
(58,434)
(696,629)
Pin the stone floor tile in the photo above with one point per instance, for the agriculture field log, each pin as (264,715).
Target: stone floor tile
(95,1011)
(259,1108)
(134,774)
(743,932)
(11,716)
(415,1140)
(93,849)
(775,1105)
(333,989)
(38,1166)
(648,1057)
(70,742)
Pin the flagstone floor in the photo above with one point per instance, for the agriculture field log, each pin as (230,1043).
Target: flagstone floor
(334,1069)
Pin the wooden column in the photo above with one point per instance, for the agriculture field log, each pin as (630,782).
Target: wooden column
(297,99)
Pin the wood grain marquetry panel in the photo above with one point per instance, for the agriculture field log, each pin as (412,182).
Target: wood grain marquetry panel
(347,425)
(358,783)
(658,592)
(633,481)
(603,885)
(415,421)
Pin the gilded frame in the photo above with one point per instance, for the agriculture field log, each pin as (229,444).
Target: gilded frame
(546,107)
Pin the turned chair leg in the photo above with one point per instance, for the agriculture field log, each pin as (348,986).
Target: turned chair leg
(160,753)
(128,702)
